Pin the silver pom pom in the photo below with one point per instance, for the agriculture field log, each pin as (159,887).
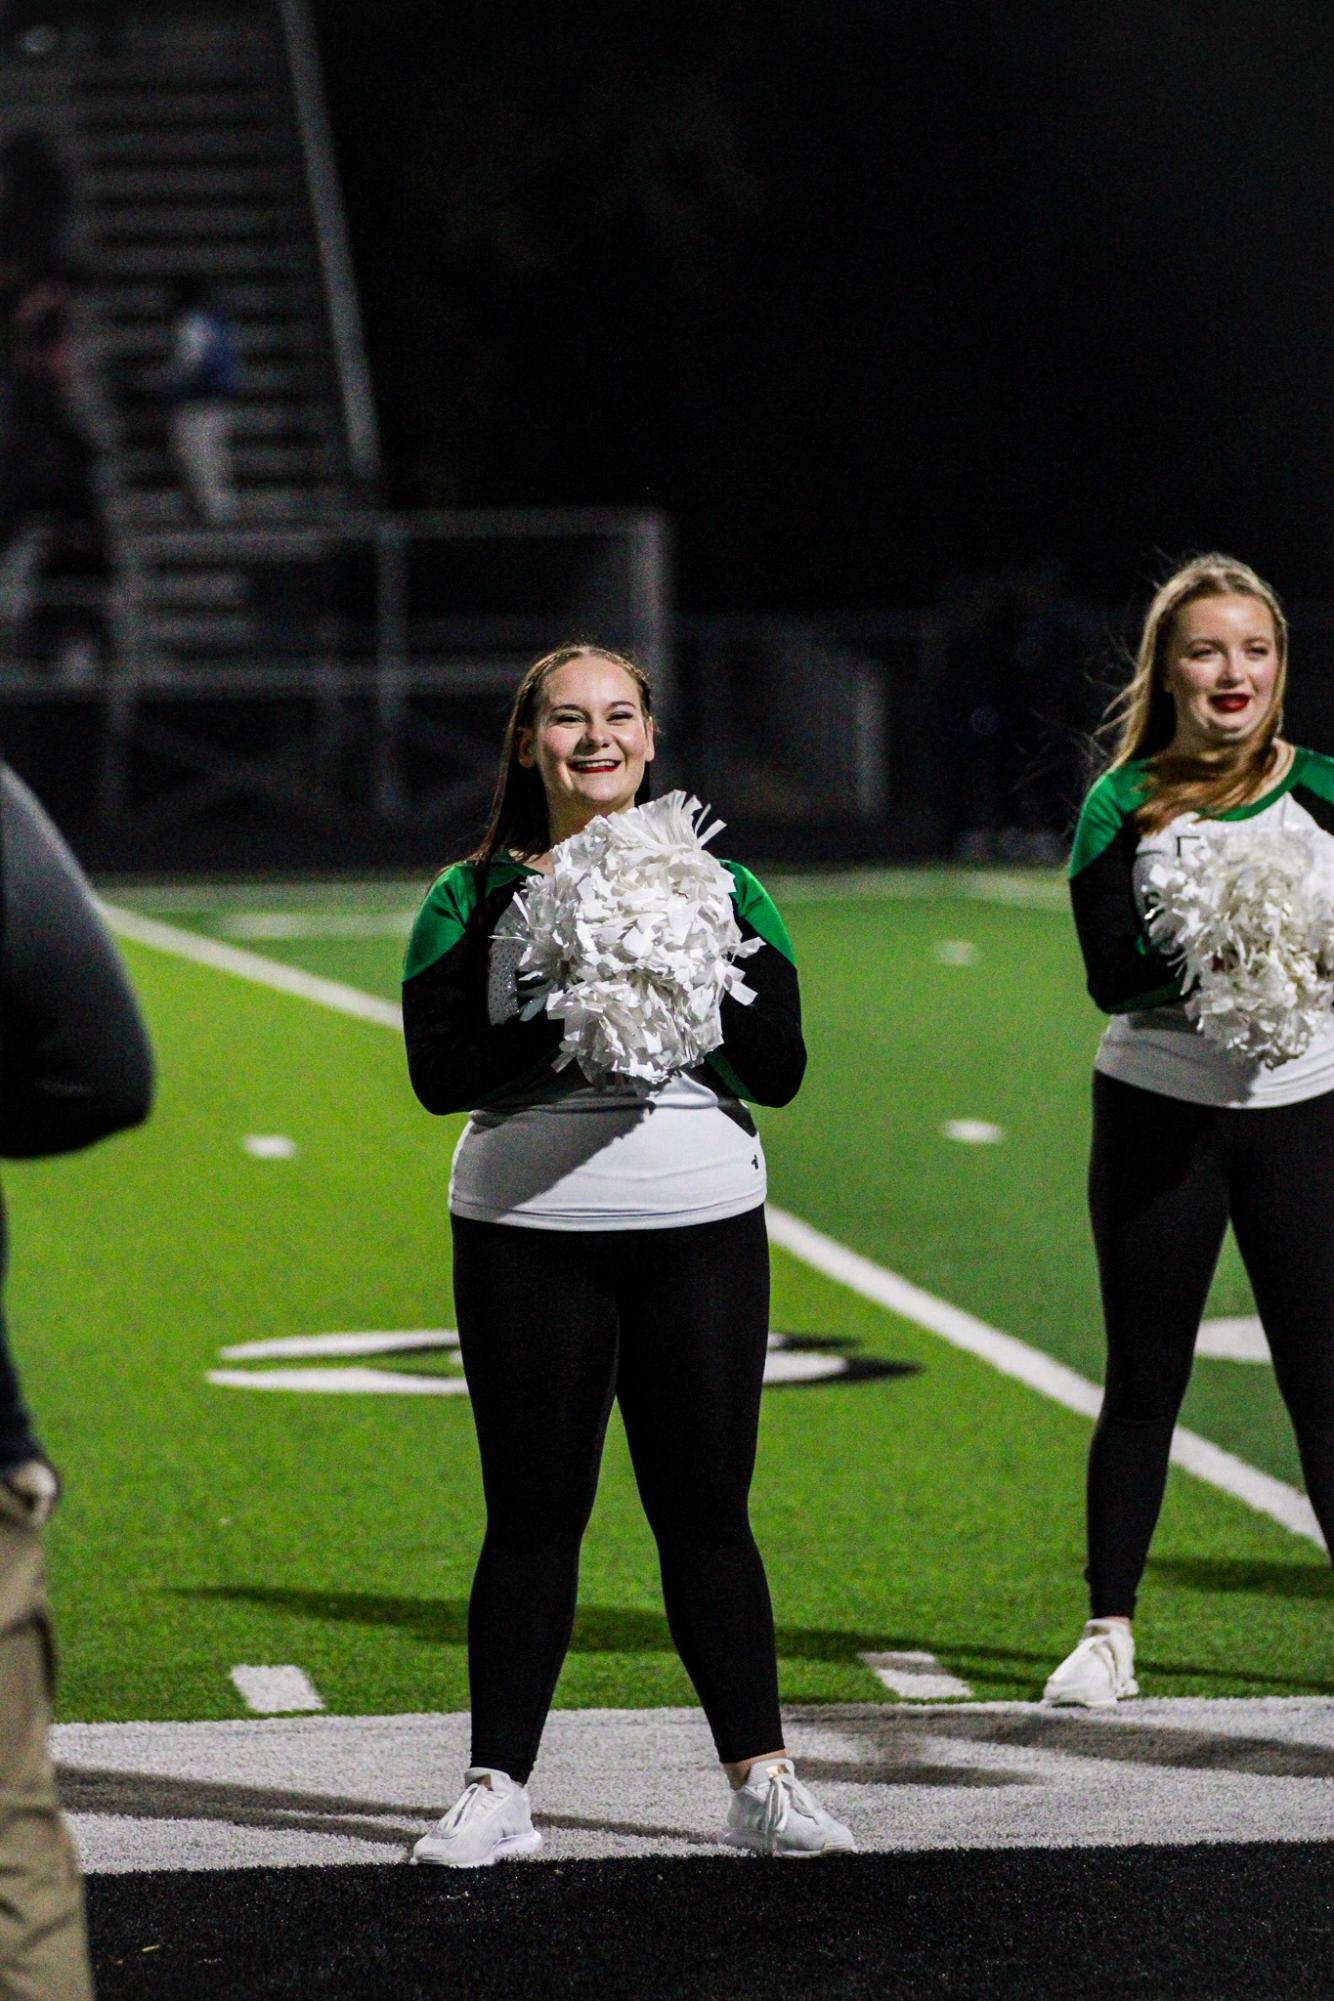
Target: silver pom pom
(1248,912)
(632,943)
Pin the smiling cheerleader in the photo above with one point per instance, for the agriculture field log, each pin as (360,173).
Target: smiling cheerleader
(575,986)
(1213,1088)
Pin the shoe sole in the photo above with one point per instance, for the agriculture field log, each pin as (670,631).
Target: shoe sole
(1083,1701)
(516,1844)
(755,1845)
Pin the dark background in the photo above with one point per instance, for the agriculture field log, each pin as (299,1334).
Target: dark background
(870,298)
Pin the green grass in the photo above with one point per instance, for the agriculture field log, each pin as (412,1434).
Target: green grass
(207,1527)
(899,1044)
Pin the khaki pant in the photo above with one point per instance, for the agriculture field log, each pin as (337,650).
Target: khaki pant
(43,1945)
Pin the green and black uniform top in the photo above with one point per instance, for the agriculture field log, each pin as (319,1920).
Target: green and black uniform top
(1150,1040)
(545,1149)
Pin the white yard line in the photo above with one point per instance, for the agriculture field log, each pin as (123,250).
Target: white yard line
(1031,1366)
(370,902)
(258,925)
(253,966)
(1043,890)
(1011,1357)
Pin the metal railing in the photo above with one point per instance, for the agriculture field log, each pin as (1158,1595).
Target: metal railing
(350,678)
(326,204)
(361,722)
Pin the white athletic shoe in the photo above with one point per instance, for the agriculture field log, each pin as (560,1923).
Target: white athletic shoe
(773,1814)
(1099,1672)
(489,1822)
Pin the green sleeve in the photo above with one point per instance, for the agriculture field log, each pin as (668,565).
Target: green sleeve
(442,919)
(1109,804)
(1315,773)
(756,908)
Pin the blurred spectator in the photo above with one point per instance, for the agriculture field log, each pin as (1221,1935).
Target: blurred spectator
(49,501)
(1012,666)
(203,378)
(35,205)
(77,1067)
(48,481)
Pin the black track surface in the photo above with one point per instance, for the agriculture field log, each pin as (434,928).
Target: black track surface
(1034,1923)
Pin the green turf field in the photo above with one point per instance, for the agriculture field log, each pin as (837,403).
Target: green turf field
(939,1510)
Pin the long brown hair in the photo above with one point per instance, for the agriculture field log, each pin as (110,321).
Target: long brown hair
(1142,718)
(519,821)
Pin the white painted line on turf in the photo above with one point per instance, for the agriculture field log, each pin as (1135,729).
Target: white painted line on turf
(1042,890)
(955,952)
(279,1792)
(263,972)
(1238,1338)
(917,1677)
(973,1132)
(270,1146)
(1012,1357)
(273,1690)
(280,924)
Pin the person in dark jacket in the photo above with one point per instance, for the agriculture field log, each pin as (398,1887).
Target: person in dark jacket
(75,1066)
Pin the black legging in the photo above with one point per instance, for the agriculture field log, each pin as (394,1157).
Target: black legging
(1164,1179)
(673,1323)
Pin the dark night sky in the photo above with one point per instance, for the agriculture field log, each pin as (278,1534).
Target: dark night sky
(866,296)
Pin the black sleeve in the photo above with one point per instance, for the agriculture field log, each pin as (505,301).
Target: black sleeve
(762,1041)
(75,1063)
(1125,968)
(457,1059)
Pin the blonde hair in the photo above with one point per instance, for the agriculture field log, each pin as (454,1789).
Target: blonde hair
(519,819)
(1142,718)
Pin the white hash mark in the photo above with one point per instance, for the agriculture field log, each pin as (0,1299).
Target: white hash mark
(917,1676)
(271,1691)
(973,1132)
(270,1146)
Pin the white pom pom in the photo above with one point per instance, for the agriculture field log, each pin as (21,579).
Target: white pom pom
(632,940)
(1249,915)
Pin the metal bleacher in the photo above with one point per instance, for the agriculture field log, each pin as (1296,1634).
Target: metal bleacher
(319,673)
(191,160)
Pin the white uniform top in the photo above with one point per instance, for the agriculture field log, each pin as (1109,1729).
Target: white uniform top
(1160,1049)
(564,1154)
(571,1156)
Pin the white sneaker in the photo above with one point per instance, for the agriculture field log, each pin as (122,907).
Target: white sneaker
(773,1814)
(1100,1670)
(487,1823)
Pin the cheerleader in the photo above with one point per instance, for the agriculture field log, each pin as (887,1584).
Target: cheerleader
(607,1244)
(1187,1136)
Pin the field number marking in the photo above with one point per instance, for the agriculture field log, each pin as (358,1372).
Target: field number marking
(276,1691)
(1004,1352)
(785,1363)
